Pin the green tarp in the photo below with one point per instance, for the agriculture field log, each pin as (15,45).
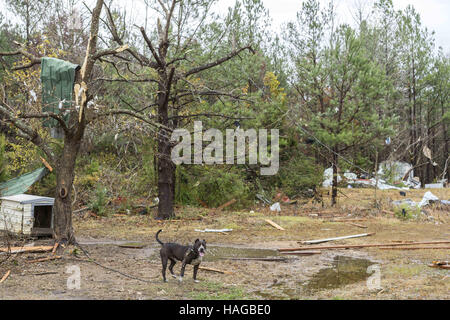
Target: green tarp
(21,184)
(57,77)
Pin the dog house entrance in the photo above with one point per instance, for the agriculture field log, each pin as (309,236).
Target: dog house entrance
(42,220)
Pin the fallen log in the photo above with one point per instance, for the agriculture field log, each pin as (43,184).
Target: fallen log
(26,249)
(5,276)
(45,259)
(350,246)
(337,238)
(215,270)
(273,224)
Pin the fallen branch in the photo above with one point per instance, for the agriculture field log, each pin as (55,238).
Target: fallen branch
(412,248)
(45,259)
(282,259)
(226,204)
(5,276)
(338,238)
(273,224)
(306,253)
(81,210)
(349,246)
(357,225)
(215,270)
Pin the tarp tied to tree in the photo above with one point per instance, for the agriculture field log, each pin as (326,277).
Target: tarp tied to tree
(58,79)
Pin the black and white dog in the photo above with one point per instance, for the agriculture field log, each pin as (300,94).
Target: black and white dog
(186,254)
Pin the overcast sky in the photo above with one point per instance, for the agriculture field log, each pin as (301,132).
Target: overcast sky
(435,13)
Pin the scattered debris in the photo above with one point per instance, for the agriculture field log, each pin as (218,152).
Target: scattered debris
(5,276)
(353,246)
(215,270)
(215,230)
(45,259)
(434,185)
(427,197)
(337,238)
(273,224)
(328,178)
(275,207)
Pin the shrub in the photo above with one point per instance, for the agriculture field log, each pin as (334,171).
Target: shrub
(406,212)
(99,201)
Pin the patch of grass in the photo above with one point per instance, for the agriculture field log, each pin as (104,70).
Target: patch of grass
(212,290)
(408,270)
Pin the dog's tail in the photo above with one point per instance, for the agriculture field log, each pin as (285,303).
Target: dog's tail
(159,241)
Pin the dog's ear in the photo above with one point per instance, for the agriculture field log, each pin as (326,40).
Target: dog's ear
(197,240)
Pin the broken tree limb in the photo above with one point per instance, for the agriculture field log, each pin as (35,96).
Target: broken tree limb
(5,276)
(215,270)
(47,165)
(350,246)
(226,204)
(45,259)
(337,238)
(26,249)
(273,224)
(55,247)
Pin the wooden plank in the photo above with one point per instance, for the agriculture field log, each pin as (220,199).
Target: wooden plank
(349,246)
(337,238)
(215,270)
(273,224)
(5,276)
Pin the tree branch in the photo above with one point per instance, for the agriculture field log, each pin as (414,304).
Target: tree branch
(218,61)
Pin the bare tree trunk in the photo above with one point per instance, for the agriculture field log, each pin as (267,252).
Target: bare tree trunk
(65,172)
(166,168)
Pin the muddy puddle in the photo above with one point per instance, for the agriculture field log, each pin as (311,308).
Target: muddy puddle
(344,270)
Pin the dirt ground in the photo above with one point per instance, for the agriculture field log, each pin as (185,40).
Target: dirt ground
(333,274)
